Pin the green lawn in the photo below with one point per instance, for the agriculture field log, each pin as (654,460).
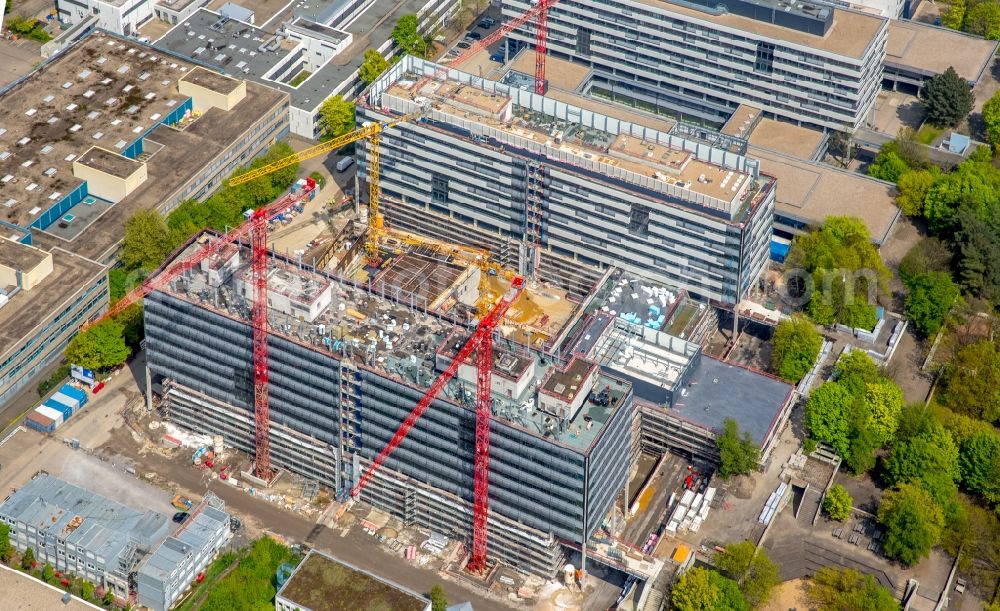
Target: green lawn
(300,78)
(927,134)
(248,587)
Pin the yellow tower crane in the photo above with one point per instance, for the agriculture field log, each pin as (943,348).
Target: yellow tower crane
(373,132)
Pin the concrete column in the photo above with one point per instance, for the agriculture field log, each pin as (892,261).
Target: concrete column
(149,388)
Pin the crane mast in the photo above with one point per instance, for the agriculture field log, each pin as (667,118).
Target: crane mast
(261,404)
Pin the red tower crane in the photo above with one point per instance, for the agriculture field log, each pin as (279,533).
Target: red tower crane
(539,13)
(481,341)
(541,44)
(257,227)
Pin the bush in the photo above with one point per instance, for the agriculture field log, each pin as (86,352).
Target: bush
(794,348)
(56,379)
(29,28)
(837,503)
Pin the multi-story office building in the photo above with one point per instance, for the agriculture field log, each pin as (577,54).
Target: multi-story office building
(548,183)
(560,436)
(104,128)
(314,56)
(808,63)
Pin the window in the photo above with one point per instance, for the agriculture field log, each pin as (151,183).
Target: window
(583,41)
(638,221)
(439,188)
(765,58)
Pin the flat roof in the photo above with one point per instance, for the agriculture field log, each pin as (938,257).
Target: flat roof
(19,591)
(104,91)
(784,137)
(718,390)
(213,81)
(742,121)
(810,192)
(638,162)
(323,583)
(360,323)
(555,71)
(931,50)
(109,163)
(564,383)
(850,35)
(101,68)
(242,56)
(559,73)
(28,309)
(19,256)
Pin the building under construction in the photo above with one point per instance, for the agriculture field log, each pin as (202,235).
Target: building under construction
(347,363)
(349,359)
(559,186)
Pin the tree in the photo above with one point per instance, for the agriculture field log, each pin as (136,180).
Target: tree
(847,589)
(794,348)
(983,19)
(751,569)
(979,464)
(928,255)
(883,403)
(948,98)
(838,503)
(913,188)
(971,381)
(978,248)
(991,118)
(146,242)
(439,602)
(736,456)
(888,165)
(841,146)
(846,272)
(913,523)
(694,591)
(48,573)
(336,116)
(6,549)
(407,37)
(27,560)
(828,415)
(928,458)
(730,597)
(931,297)
(100,347)
(373,66)
(954,15)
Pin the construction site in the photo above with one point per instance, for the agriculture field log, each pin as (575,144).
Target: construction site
(504,354)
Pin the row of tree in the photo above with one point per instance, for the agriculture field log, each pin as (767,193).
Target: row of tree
(744,578)
(962,207)
(148,241)
(979,17)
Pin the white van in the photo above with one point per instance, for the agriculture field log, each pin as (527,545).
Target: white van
(345,163)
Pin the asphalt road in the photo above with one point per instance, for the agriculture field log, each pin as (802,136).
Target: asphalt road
(356,547)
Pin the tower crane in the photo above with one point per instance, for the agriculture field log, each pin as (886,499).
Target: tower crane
(481,340)
(256,226)
(371,131)
(482,343)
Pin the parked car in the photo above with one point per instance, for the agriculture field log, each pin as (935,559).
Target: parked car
(180,517)
(496,57)
(463,45)
(473,36)
(486,23)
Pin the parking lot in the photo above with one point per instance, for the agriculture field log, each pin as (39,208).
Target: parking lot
(486,61)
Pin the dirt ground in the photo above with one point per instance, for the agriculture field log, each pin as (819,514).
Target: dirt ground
(789,595)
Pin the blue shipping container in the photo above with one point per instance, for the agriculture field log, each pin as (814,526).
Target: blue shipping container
(76,393)
(65,399)
(65,410)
